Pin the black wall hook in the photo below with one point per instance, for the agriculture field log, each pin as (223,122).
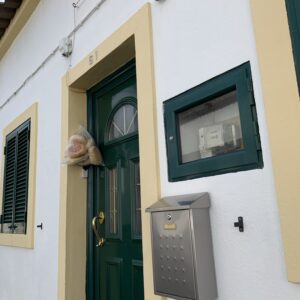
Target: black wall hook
(40,226)
(240,224)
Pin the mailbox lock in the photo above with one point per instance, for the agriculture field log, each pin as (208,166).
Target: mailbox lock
(169,217)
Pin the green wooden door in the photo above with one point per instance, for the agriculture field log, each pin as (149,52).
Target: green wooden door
(115,268)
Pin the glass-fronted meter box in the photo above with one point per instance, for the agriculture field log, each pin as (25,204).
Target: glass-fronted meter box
(212,128)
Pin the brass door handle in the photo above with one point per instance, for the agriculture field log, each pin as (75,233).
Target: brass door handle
(100,240)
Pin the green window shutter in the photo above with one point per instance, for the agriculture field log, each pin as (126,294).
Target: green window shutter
(293,11)
(9,183)
(15,191)
(22,176)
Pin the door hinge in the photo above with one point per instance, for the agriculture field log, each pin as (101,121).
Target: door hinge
(250,84)
(254,113)
(255,127)
(258,143)
(4,150)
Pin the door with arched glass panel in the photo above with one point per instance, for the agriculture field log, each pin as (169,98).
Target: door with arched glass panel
(115,244)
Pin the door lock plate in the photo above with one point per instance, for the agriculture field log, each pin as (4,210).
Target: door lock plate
(101,217)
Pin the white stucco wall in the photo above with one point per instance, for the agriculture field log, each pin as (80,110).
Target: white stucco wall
(193,42)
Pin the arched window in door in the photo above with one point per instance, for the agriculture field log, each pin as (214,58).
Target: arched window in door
(123,122)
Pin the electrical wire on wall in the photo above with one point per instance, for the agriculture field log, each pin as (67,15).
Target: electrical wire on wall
(71,35)
(75,5)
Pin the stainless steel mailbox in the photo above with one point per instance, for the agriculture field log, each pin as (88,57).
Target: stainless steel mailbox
(183,263)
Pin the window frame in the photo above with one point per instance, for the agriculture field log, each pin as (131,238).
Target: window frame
(25,240)
(13,139)
(248,158)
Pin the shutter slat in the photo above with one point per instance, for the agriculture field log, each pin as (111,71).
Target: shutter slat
(19,206)
(11,162)
(9,190)
(21,180)
(20,202)
(20,198)
(21,191)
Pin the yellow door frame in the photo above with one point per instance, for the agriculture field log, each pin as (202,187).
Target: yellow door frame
(133,39)
(282,106)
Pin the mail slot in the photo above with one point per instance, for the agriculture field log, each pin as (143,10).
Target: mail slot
(183,263)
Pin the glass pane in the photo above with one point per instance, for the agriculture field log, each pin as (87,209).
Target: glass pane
(211,128)
(113,202)
(123,122)
(137,186)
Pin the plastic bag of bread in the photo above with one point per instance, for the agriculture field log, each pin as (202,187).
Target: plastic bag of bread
(82,150)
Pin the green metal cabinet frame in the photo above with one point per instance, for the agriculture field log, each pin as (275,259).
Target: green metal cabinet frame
(250,157)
